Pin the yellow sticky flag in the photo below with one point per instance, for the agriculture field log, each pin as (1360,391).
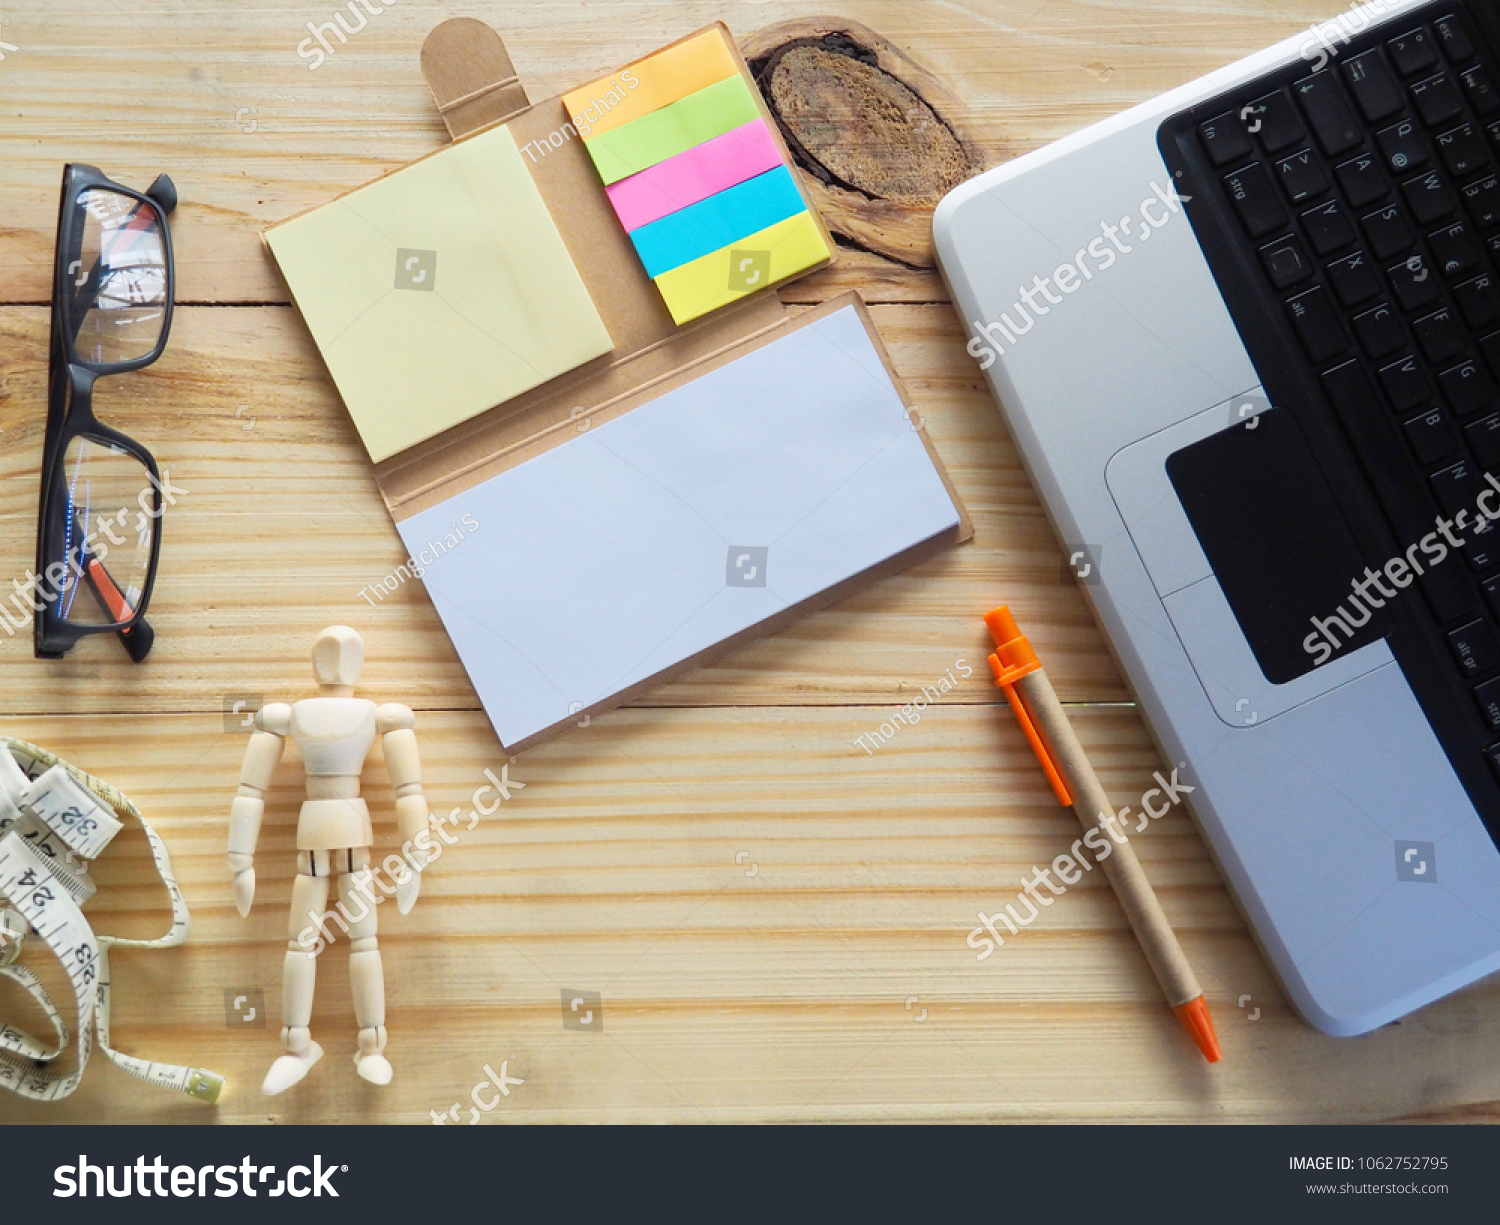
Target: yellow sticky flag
(742,268)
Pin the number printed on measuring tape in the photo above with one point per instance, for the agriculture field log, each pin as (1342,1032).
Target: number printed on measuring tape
(71,812)
(44,881)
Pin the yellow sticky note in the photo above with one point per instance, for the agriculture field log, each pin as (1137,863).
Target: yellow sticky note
(438,292)
(743,267)
(652,83)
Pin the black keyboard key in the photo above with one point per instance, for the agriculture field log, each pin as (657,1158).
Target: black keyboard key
(1488,697)
(1429,198)
(1318,327)
(1273,121)
(1301,177)
(1225,140)
(1453,39)
(1414,283)
(1456,487)
(1455,250)
(1380,331)
(1482,546)
(1386,462)
(1405,382)
(1484,441)
(1412,52)
(1255,200)
(1362,181)
(1491,588)
(1353,279)
(1483,199)
(1479,300)
(1404,147)
(1373,86)
(1328,228)
(1475,647)
(1481,91)
(1332,121)
(1286,262)
(1463,151)
(1388,232)
(1467,388)
(1490,347)
(1432,436)
(1446,593)
(1441,335)
(1437,100)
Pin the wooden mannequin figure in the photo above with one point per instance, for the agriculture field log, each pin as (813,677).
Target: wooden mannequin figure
(335,732)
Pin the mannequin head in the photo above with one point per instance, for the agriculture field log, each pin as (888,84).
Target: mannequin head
(337,656)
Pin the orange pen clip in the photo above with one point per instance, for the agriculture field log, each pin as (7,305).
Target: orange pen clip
(1013,659)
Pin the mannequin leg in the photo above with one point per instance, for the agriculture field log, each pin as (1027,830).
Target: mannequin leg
(298,979)
(366,976)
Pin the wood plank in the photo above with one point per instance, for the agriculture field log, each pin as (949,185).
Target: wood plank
(252,133)
(756,901)
(281,529)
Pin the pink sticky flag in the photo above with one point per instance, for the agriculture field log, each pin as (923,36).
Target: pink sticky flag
(695,174)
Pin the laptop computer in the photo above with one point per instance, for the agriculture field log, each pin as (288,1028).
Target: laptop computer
(1247,339)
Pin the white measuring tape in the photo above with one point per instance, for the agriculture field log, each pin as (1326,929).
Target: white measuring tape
(53,819)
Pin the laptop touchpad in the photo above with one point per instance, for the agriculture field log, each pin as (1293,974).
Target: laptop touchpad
(1274,534)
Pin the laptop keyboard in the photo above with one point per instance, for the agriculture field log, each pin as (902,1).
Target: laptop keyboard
(1361,201)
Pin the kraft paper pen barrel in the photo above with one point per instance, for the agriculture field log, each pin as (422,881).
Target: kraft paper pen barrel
(1019,673)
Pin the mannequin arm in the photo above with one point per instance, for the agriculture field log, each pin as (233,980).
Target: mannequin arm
(262,755)
(398,742)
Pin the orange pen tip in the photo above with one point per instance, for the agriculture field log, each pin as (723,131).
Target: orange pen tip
(1003,627)
(1195,1019)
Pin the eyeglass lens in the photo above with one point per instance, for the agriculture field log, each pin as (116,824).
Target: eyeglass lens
(118,282)
(111,511)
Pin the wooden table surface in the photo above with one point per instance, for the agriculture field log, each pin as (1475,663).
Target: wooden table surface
(773,918)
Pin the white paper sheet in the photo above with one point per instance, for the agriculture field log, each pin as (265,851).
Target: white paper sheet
(647,539)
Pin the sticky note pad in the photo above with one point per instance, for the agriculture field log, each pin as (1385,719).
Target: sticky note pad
(651,83)
(683,236)
(664,133)
(652,538)
(438,292)
(694,175)
(744,267)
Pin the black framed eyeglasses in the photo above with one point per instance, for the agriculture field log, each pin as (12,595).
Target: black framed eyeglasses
(99,518)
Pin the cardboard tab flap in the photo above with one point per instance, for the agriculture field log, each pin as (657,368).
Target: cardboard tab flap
(470,75)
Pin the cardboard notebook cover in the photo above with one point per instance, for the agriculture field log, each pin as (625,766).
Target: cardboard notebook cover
(475,87)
